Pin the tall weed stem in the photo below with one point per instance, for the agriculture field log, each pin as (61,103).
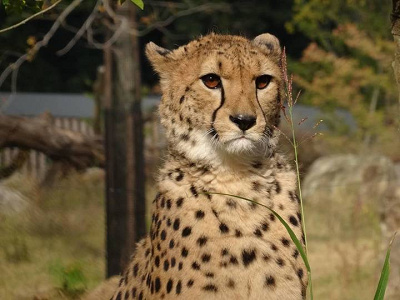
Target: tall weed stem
(288,80)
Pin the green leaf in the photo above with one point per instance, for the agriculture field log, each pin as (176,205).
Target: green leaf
(383,280)
(139,3)
(293,236)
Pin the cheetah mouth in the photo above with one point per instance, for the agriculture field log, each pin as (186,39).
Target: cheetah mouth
(244,144)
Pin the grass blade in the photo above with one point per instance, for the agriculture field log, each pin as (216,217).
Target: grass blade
(383,280)
(289,230)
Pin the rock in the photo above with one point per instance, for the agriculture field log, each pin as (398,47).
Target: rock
(353,196)
(369,175)
(11,201)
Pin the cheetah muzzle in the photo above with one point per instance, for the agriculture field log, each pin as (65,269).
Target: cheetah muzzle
(220,109)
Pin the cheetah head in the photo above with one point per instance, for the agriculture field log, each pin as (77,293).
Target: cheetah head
(221,95)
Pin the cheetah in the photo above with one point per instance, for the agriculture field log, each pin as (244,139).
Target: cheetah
(220,108)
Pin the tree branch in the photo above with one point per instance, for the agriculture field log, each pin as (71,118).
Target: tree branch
(30,18)
(395,18)
(77,149)
(12,67)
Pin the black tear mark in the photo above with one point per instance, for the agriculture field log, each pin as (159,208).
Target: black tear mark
(214,115)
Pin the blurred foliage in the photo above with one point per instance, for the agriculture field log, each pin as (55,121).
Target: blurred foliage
(348,65)
(340,51)
(71,278)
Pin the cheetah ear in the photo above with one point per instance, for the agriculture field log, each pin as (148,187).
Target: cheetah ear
(159,57)
(268,42)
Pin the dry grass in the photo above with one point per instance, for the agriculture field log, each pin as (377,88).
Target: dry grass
(55,249)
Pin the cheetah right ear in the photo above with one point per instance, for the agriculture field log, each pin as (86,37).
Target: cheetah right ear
(159,57)
(269,43)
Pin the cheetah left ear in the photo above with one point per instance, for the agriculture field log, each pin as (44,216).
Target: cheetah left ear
(268,42)
(158,57)
(163,60)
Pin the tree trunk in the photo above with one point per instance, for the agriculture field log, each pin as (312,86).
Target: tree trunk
(124,145)
(40,134)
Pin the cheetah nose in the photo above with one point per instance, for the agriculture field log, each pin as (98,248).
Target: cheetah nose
(244,122)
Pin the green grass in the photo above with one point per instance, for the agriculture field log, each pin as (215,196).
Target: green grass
(55,249)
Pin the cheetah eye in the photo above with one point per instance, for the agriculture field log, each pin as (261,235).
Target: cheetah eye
(263,81)
(212,81)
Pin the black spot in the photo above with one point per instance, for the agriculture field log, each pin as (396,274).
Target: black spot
(134,292)
(119,295)
(201,241)
(135,270)
(210,288)
(182,99)
(224,228)
(184,137)
(233,260)
(171,244)
(169,285)
(178,287)
(231,203)
(265,226)
(280,262)
(278,188)
(186,231)
(179,202)
(293,220)
(258,232)
(184,252)
(256,186)
(180,266)
(293,197)
(169,203)
(215,213)
(194,191)
(169,222)
(300,273)
(173,262)
(190,283)
(281,207)
(157,285)
(179,177)
(274,247)
(295,253)
(140,296)
(195,266)
(257,165)
(166,265)
(285,242)
(231,284)
(270,281)
(157,261)
(248,256)
(205,257)
(272,217)
(224,252)
(163,202)
(176,224)
(199,214)
(238,233)
(209,274)
(266,257)
(163,235)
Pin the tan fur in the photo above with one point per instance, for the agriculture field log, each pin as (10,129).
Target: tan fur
(208,246)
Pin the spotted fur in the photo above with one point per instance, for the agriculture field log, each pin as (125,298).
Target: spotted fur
(208,246)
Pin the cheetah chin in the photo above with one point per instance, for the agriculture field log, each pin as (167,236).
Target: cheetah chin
(220,108)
